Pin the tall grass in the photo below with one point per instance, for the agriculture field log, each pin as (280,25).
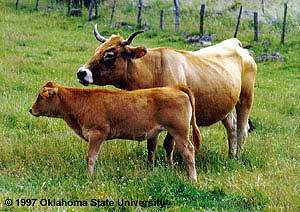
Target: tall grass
(42,158)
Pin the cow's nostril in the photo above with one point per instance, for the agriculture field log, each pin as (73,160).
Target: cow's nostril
(30,110)
(81,74)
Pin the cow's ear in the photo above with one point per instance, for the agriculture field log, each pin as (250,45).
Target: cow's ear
(135,52)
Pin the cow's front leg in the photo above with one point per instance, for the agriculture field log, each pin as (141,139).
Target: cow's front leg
(96,138)
(151,146)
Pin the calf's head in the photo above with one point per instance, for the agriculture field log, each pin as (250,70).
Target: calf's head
(47,102)
(109,63)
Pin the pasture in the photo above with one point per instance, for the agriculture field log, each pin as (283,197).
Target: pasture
(41,158)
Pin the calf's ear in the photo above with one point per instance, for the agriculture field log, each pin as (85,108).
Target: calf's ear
(48,92)
(50,84)
(134,52)
(52,92)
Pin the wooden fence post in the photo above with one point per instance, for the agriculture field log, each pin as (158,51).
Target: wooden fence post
(75,3)
(202,10)
(36,4)
(69,6)
(139,17)
(161,20)
(284,24)
(113,11)
(96,8)
(90,10)
(176,2)
(255,26)
(17,3)
(238,22)
(263,6)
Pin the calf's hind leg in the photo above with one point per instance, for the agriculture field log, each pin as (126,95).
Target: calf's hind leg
(186,149)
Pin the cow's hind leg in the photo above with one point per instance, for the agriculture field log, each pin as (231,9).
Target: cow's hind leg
(169,145)
(151,146)
(243,109)
(231,128)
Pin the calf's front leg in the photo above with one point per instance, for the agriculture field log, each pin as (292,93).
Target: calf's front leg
(96,138)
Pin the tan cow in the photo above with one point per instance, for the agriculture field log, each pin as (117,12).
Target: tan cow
(221,77)
(99,114)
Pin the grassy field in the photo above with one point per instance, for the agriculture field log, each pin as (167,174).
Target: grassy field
(41,158)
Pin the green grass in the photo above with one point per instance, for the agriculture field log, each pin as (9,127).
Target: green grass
(42,158)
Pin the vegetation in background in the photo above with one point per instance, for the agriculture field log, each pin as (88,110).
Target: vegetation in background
(42,158)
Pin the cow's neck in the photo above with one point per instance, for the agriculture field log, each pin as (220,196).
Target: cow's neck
(142,73)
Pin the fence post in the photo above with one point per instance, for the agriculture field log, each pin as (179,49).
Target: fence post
(176,2)
(255,26)
(17,3)
(75,3)
(238,22)
(263,6)
(113,11)
(161,20)
(202,10)
(96,8)
(139,17)
(69,6)
(284,24)
(90,10)
(36,4)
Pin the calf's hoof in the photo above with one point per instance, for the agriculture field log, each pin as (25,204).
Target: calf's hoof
(91,170)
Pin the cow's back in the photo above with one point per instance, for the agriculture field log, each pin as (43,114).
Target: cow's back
(214,74)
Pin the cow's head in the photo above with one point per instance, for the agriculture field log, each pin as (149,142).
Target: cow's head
(109,63)
(47,102)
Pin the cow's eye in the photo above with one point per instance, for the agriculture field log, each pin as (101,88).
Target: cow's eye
(109,59)
(108,56)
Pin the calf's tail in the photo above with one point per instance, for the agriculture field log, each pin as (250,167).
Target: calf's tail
(196,132)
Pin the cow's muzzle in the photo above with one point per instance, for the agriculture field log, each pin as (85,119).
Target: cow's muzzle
(85,76)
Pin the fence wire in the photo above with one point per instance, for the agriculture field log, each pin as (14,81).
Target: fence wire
(218,14)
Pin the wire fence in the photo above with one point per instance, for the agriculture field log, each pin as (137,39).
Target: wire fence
(218,14)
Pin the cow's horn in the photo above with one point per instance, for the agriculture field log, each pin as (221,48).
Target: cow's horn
(131,37)
(98,36)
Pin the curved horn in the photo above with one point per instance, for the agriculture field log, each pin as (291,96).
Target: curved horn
(98,36)
(131,37)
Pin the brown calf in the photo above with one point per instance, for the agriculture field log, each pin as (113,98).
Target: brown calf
(99,114)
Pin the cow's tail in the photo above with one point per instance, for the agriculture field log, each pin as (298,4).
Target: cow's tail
(196,132)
